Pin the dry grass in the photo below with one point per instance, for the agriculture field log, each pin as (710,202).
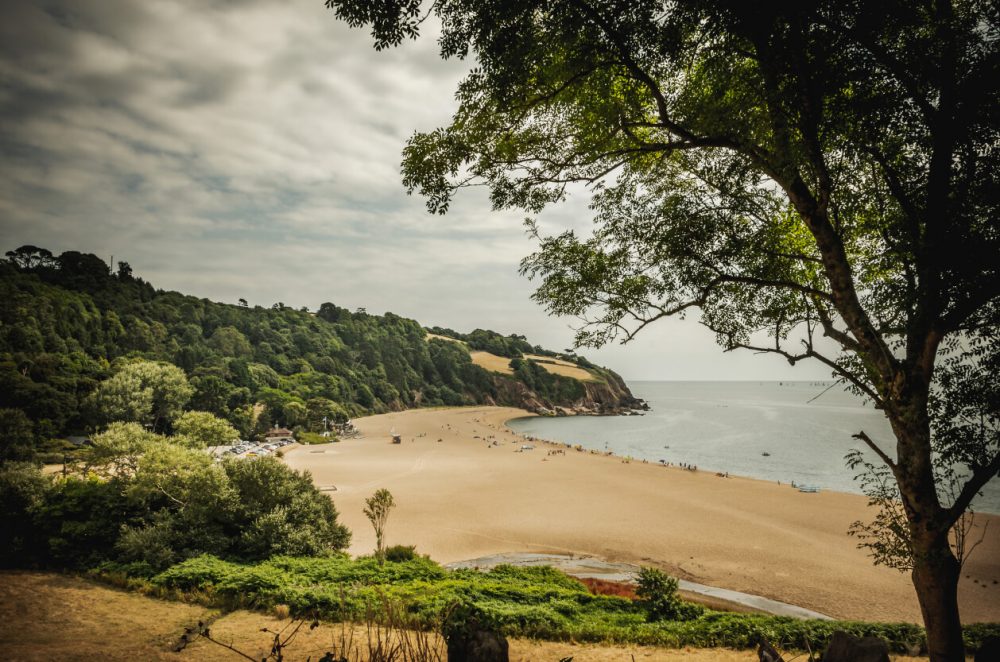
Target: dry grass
(46,616)
(492,362)
(501,364)
(605,587)
(561,367)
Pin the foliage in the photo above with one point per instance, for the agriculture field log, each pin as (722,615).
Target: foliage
(657,592)
(548,385)
(312,438)
(160,503)
(512,346)
(23,491)
(272,495)
(78,522)
(144,392)
(17,436)
(116,450)
(887,536)
(377,508)
(400,553)
(202,429)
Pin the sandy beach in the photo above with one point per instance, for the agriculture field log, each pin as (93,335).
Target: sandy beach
(460,496)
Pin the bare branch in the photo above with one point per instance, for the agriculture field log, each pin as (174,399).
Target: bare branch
(863,436)
(980,476)
(810,354)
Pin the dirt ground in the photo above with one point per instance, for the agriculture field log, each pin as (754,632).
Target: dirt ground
(46,616)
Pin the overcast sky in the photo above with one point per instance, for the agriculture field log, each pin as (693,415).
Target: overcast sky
(252,149)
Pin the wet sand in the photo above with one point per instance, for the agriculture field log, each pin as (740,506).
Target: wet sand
(459,497)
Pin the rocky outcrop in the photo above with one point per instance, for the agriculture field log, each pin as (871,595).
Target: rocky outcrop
(608,397)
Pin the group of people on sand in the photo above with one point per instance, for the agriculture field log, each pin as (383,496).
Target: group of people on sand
(683,465)
(579,448)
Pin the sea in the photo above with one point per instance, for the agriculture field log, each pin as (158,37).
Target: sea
(782,431)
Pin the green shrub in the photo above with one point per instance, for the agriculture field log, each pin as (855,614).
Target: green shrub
(657,593)
(537,575)
(313,438)
(400,553)
(975,634)
(23,493)
(196,573)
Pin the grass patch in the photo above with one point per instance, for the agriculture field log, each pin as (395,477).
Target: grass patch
(314,438)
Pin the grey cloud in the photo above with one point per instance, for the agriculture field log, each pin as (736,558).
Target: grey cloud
(251,149)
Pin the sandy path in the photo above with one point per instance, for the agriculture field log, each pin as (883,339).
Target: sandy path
(460,498)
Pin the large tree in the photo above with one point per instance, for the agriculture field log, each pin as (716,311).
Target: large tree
(144,391)
(790,170)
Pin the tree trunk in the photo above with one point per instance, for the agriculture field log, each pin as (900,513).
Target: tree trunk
(935,577)
(935,568)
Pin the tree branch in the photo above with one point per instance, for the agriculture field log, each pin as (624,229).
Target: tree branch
(863,436)
(980,476)
(808,354)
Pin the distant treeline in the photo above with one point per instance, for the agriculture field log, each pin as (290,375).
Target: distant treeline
(512,346)
(68,322)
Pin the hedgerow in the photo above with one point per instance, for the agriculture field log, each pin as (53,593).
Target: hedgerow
(522,602)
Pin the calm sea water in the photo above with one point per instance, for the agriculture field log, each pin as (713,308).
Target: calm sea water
(729,426)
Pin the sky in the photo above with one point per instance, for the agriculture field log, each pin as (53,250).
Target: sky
(251,150)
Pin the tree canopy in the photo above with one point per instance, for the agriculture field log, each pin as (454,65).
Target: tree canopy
(149,501)
(791,171)
(145,392)
(201,429)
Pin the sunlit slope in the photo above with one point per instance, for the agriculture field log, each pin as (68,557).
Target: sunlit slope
(501,364)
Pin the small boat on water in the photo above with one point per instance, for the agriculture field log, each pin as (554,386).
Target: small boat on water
(810,489)
(766,454)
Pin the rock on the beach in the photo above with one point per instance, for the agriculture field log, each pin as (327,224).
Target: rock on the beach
(844,647)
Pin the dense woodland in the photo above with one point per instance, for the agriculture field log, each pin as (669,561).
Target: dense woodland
(68,322)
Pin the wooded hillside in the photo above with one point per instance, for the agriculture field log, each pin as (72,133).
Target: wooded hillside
(67,322)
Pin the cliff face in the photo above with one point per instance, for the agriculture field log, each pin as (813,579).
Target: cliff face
(609,397)
(600,398)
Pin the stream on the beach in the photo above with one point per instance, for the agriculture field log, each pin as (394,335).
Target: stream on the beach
(778,431)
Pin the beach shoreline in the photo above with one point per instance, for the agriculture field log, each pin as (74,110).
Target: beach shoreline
(466,489)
